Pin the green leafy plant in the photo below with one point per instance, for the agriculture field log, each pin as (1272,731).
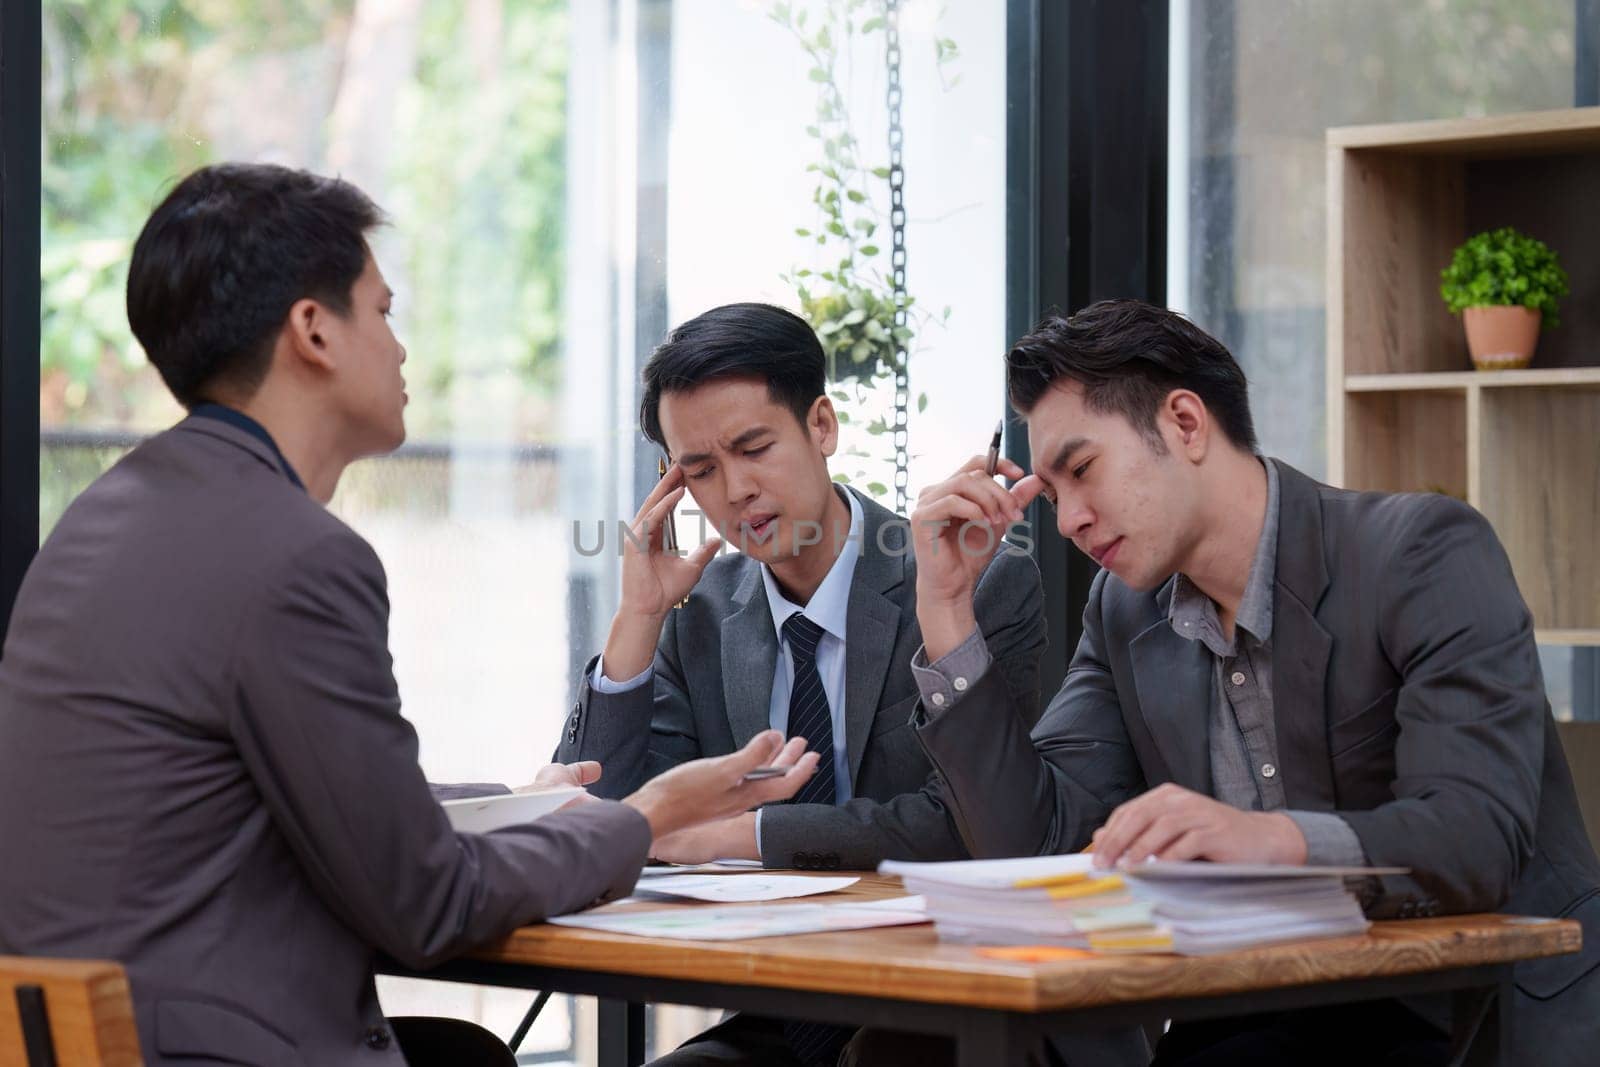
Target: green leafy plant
(848,298)
(848,294)
(1504,268)
(136,93)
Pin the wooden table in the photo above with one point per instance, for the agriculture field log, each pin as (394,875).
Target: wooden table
(904,978)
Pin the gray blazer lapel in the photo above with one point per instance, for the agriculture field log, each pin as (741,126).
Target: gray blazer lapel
(872,625)
(1301,647)
(1175,681)
(749,659)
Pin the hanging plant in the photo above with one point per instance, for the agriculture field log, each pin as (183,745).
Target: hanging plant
(866,324)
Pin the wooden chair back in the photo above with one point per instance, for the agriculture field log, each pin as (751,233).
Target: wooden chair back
(66,1013)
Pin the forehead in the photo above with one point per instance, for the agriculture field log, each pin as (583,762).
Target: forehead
(697,419)
(371,277)
(1059,414)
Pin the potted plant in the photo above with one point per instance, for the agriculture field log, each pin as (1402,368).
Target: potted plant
(867,323)
(1506,285)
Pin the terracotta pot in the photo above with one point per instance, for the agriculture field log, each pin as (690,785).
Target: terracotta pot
(1501,338)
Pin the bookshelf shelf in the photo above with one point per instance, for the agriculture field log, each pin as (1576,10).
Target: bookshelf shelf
(1582,638)
(1545,377)
(1406,411)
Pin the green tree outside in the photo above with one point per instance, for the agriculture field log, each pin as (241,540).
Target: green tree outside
(452,115)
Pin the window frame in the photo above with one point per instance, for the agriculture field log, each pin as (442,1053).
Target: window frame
(21,58)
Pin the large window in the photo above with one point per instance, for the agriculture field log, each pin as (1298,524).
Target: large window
(565,179)
(745,104)
(454,117)
(1254,86)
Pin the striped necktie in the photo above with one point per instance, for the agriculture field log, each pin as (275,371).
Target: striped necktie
(809,714)
(811,718)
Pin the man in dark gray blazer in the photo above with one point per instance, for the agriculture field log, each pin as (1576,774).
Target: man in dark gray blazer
(204,773)
(1271,670)
(736,396)
(810,629)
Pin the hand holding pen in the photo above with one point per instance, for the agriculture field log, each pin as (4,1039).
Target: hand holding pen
(654,578)
(956,528)
(654,575)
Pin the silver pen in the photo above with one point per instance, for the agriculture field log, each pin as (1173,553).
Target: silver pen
(669,533)
(993,463)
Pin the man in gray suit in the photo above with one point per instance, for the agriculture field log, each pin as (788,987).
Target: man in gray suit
(1271,670)
(204,772)
(810,629)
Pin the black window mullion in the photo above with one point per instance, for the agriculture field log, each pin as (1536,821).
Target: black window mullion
(20,87)
(1086,145)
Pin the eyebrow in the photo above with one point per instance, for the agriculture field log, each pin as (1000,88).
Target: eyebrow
(1064,453)
(692,458)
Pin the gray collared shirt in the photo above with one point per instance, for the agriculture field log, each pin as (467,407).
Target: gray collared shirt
(1243,735)
(1241,729)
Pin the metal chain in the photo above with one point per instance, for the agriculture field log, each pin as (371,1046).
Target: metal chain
(897,255)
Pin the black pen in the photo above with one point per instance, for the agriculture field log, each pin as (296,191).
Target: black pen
(993,464)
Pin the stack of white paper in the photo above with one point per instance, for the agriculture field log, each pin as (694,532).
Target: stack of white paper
(739,921)
(480,815)
(722,889)
(1190,908)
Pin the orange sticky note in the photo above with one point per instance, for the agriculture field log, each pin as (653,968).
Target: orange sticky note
(1036,953)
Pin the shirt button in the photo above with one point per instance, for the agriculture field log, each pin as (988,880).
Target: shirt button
(377,1038)
(960,684)
(1238,678)
(938,700)
(1268,770)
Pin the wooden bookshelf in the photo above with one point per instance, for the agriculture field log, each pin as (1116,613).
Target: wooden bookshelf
(1567,637)
(1572,377)
(1406,409)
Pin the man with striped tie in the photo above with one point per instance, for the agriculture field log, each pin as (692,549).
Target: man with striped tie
(809,628)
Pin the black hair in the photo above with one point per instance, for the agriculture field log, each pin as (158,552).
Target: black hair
(226,255)
(737,341)
(1128,356)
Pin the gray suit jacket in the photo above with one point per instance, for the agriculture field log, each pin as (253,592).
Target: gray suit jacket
(713,683)
(204,772)
(1407,696)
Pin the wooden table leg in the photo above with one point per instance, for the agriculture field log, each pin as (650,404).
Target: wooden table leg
(621,1033)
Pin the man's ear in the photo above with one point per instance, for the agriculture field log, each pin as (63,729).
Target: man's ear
(823,424)
(1187,424)
(306,330)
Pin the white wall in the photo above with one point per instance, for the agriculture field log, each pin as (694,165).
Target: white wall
(738,188)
